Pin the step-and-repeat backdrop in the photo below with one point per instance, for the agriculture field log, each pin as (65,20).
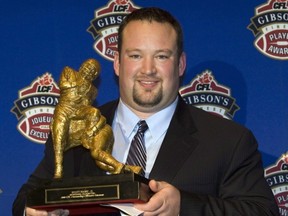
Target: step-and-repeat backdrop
(237,53)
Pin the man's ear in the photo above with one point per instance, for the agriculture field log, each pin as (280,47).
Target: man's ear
(116,63)
(182,64)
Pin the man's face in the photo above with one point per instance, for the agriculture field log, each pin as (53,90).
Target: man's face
(149,68)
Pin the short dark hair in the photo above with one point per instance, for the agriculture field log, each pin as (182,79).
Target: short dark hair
(152,14)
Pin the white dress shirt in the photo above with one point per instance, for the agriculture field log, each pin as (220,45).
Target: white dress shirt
(125,126)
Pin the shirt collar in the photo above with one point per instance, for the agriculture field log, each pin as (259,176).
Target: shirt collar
(128,122)
(164,116)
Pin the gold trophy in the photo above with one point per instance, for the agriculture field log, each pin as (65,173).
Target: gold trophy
(77,122)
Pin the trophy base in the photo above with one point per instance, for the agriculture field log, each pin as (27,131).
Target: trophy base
(84,195)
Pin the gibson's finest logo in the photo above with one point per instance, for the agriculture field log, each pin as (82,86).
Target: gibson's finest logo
(270,27)
(35,107)
(104,27)
(277,178)
(204,92)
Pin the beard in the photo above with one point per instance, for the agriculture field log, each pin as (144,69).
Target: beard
(147,98)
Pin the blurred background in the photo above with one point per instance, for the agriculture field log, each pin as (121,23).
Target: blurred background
(40,38)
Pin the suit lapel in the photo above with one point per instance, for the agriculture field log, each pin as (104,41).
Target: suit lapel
(108,111)
(177,145)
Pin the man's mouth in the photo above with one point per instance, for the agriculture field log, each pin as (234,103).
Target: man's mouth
(148,83)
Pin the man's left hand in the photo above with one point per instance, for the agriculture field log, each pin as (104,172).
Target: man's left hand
(165,201)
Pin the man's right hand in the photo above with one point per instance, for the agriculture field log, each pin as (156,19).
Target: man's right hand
(34,212)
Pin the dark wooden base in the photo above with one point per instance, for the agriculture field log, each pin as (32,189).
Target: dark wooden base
(84,195)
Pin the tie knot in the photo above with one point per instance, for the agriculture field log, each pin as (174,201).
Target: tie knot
(142,126)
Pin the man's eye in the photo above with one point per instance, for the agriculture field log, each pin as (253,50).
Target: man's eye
(162,57)
(135,56)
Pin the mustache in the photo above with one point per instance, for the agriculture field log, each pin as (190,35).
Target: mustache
(147,77)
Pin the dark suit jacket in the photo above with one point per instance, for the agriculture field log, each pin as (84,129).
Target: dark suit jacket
(214,162)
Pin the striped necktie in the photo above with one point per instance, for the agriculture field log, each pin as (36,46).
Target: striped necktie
(137,152)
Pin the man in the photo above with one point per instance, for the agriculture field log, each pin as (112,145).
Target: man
(200,164)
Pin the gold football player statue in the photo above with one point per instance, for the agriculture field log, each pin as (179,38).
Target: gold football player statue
(76,122)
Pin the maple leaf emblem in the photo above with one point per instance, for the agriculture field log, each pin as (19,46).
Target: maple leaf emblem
(122,2)
(45,80)
(206,78)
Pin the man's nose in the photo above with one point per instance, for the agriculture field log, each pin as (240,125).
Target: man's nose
(149,66)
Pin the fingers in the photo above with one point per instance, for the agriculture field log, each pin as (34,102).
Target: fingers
(34,212)
(164,202)
(57,212)
(157,186)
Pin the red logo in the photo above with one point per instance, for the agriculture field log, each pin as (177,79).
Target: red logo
(35,107)
(204,92)
(104,27)
(269,26)
(277,178)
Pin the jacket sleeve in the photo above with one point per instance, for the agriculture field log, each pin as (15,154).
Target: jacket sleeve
(44,170)
(242,191)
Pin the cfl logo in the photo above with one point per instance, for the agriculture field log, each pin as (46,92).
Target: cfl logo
(203,87)
(280,5)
